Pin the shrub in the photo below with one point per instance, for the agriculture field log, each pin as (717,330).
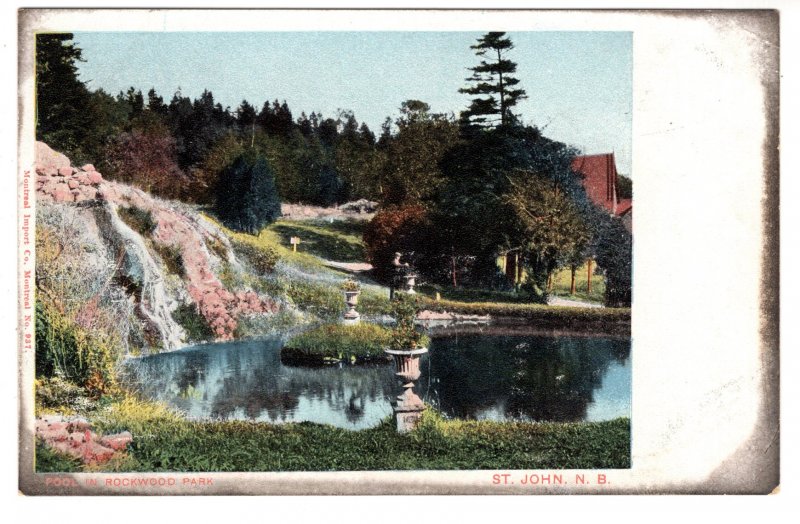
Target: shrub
(404,335)
(72,353)
(261,258)
(216,246)
(147,159)
(246,195)
(322,300)
(137,219)
(392,230)
(173,259)
(49,460)
(329,343)
(56,393)
(195,325)
(351,285)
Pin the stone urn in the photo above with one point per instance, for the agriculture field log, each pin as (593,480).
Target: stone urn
(351,316)
(408,406)
(410,282)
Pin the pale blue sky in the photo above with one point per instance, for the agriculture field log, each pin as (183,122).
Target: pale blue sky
(579,84)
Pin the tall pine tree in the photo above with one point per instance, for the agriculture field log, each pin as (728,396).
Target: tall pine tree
(493,82)
(62,101)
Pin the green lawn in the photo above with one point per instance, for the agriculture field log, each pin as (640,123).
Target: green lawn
(473,295)
(164,441)
(339,240)
(562,279)
(302,277)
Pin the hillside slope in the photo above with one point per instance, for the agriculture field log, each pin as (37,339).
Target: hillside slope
(146,268)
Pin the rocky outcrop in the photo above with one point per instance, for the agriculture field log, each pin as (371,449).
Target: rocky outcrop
(177,230)
(360,209)
(74,437)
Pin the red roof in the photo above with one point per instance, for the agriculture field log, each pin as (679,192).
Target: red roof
(599,176)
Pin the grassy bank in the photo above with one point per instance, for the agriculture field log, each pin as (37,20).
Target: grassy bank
(338,240)
(560,287)
(552,317)
(336,343)
(163,441)
(301,278)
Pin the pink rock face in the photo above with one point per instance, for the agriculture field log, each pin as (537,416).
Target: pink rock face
(118,441)
(79,424)
(77,438)
(61,193)
(174,229)
(49,159)
(93,453)
(94,177)
(53,434)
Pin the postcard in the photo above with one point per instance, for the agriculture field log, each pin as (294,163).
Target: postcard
(290,252)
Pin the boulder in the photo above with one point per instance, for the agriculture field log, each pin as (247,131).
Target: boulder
(47,159)
(64,171)
(55,434)
(94,177)
(92,452)
(88,167)
(79,424)
(117,441)
(72,183)
(61,193)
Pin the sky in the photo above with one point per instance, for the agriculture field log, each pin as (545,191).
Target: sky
(579,84)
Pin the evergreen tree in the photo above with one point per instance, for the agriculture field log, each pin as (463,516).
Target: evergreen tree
(245,115)
(156,103)
(492,80)
(62,101)
(247,199)
(330,186)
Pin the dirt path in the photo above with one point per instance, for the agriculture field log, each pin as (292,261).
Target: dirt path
(350,267)
(558,301)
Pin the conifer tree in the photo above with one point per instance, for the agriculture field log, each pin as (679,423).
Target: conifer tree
(62,100)
(247,198)
(493,82)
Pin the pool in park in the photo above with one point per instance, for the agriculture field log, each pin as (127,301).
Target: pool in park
(529,377)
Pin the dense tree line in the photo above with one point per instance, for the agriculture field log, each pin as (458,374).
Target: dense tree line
(180,148)
(454,192)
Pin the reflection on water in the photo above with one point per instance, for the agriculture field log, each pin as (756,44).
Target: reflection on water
(474,376)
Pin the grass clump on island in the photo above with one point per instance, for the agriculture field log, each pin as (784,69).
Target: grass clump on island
(330,343)
(165,441)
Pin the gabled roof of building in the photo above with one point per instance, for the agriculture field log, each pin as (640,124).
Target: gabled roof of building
(599,176)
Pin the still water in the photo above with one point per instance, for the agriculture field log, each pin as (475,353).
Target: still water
(541,378)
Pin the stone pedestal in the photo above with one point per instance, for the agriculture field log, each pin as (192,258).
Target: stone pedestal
(351,316)
(408,406)
(410,282)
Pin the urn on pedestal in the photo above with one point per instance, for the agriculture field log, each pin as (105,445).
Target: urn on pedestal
(351,290)
(406,347)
